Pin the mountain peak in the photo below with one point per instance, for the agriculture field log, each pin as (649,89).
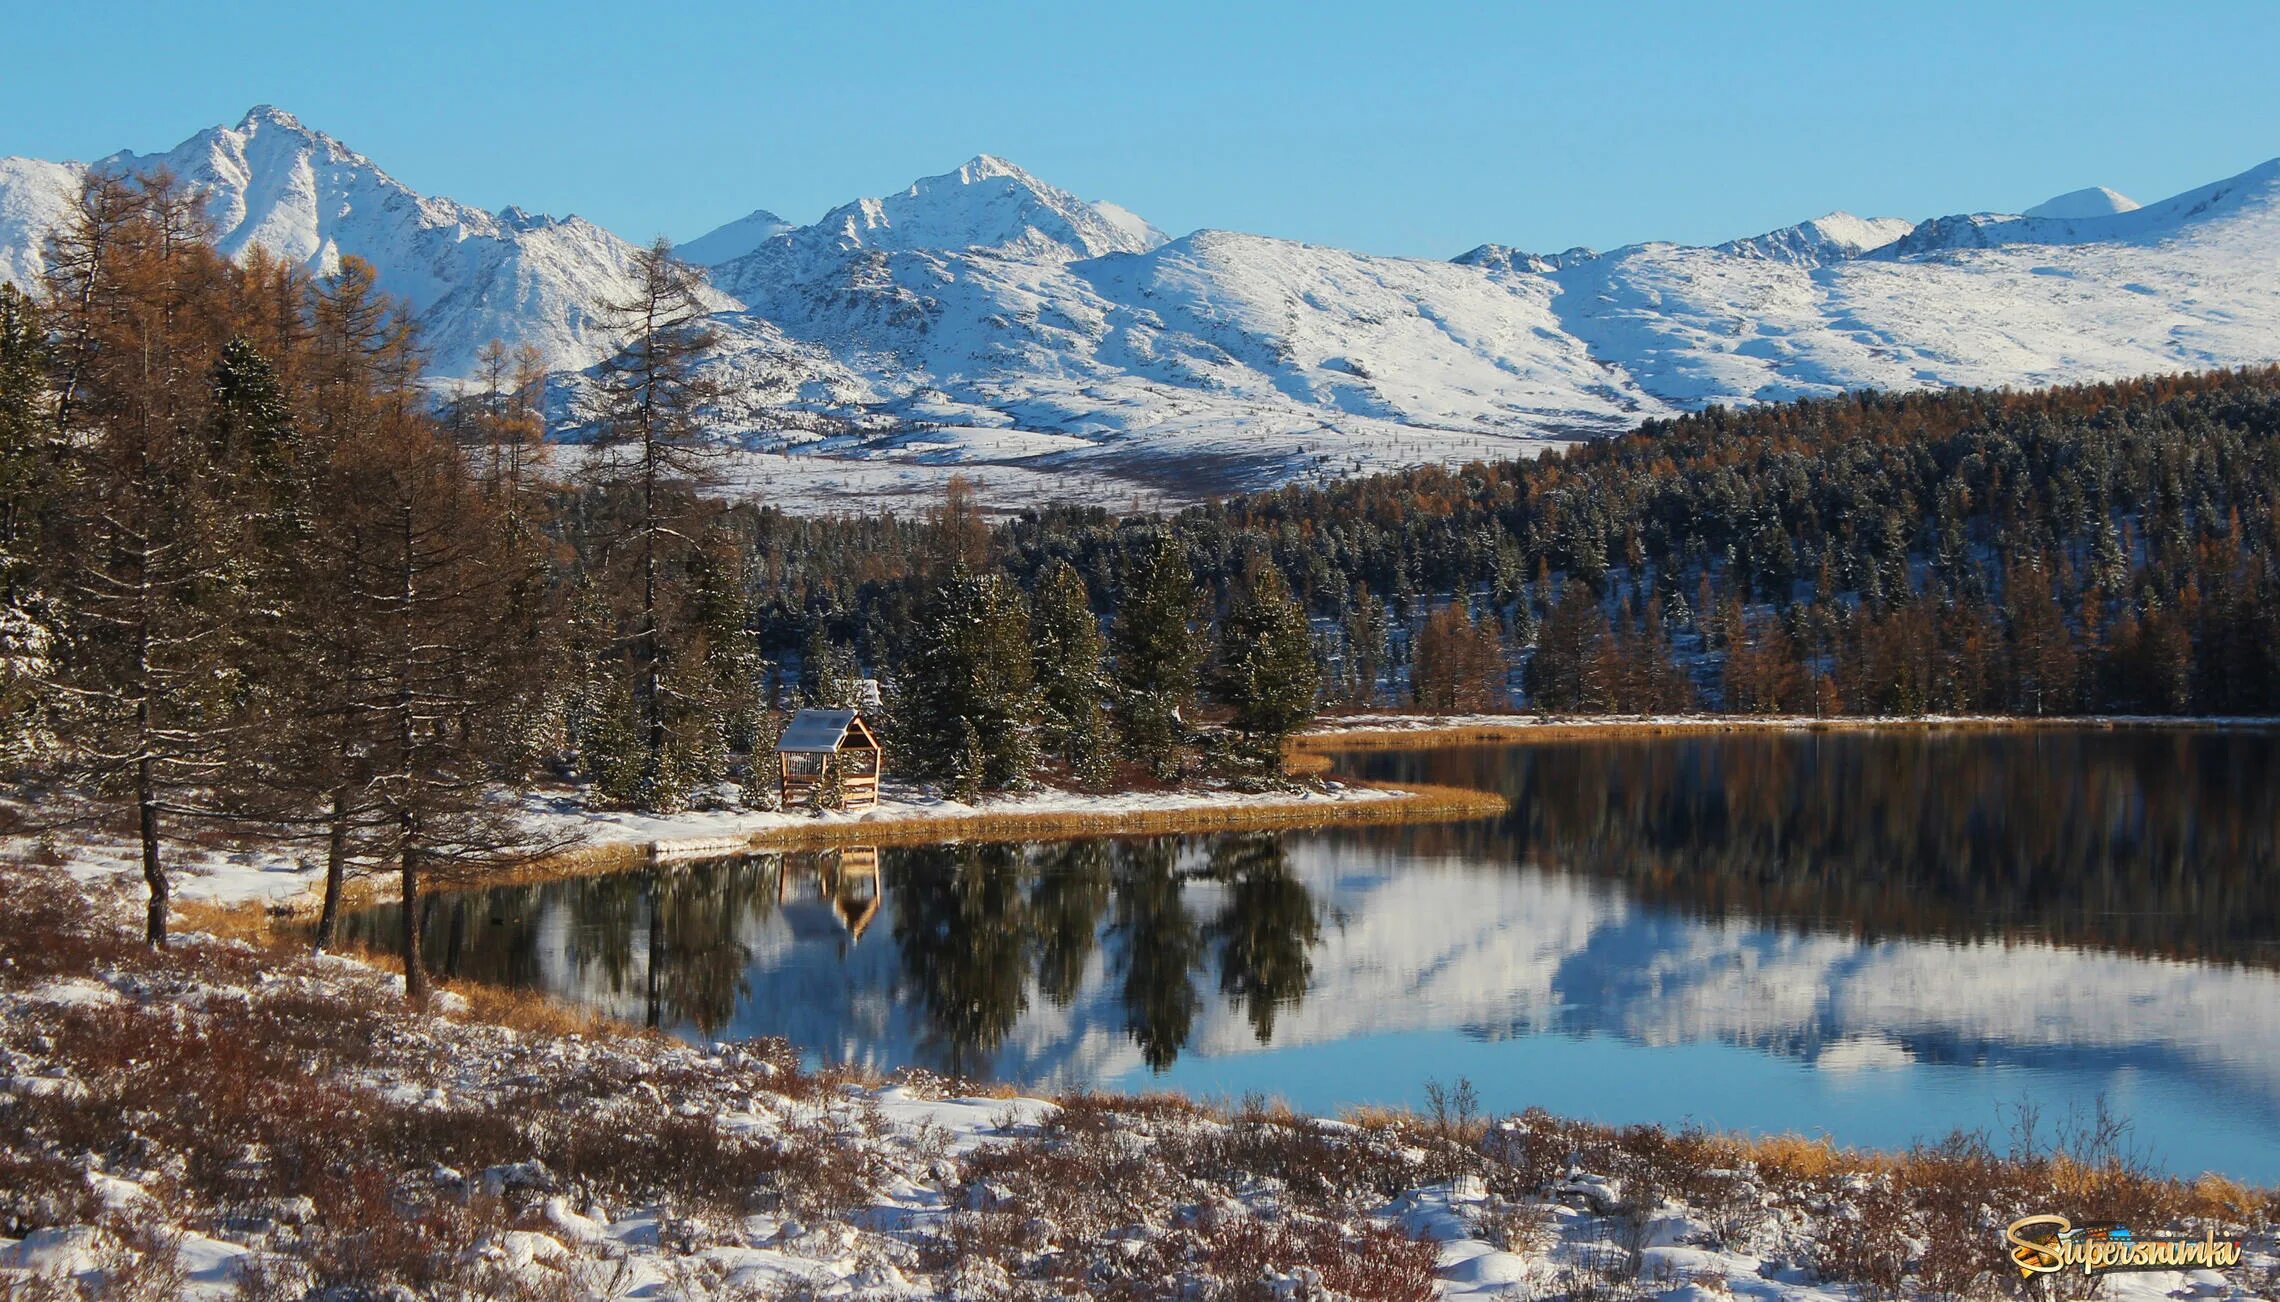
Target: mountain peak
(261,115)
(733,239)
(1830,237)
(983,167)
(2096,201)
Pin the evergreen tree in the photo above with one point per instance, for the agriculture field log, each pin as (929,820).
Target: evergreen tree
(830,677)
(651,454)
(965,700)
(28,484)
(1072,687)
(1157,654)
(1266,672)
(1367,647)
(1563,674)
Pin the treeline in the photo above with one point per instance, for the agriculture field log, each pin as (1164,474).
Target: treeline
(2090,549)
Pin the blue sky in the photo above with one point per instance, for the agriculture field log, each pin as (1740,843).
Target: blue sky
(1395,127)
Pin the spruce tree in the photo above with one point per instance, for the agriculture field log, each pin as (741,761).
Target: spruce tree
(1564,673)
(965,701)
(1072,686)
(1266,672)
(830,676)
(1157,652)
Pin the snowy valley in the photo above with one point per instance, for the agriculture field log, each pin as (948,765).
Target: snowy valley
(1052,347)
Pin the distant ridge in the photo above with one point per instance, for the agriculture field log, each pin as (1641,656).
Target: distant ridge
(983,317)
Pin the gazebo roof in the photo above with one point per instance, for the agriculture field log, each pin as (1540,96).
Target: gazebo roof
(817,732)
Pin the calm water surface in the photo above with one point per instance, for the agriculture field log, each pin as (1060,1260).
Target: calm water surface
(1883,936)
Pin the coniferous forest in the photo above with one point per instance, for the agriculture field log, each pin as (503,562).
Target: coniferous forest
(254,573)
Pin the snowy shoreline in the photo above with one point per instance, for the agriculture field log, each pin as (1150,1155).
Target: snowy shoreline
(289,877)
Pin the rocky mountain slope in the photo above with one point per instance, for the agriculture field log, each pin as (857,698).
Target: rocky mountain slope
(984,319)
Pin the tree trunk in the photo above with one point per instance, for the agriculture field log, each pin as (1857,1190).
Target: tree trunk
(336,868)
(154,873)
(415,918)
(655,718)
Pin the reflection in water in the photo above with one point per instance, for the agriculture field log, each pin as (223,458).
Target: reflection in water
(1880,935)
(2153,841)
(975,928)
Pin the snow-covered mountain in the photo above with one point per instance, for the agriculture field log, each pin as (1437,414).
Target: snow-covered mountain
(308,198)
(2097,201)
(733,240)
(985,321)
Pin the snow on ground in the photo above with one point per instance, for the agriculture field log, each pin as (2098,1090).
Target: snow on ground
(279,874)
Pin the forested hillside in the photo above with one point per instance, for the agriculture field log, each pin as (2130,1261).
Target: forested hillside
(2085,549)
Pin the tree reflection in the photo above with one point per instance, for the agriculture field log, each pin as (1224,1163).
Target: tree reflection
(1266,931)
(1163,949)
(697,955)
(2155,841)
(976,929)
(961,926)
(1065,905)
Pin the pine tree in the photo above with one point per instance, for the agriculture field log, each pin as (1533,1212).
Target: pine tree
(1067,656)
(649,451)
(1266,671)
(1157,653)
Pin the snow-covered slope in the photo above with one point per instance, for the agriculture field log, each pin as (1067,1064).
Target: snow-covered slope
(2097,201)
(733,240)
(310,199)
(34,197)
(983,318)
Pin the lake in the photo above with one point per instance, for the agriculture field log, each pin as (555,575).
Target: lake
(1882,936)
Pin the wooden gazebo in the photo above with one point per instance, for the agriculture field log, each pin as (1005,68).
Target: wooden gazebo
(816,740)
